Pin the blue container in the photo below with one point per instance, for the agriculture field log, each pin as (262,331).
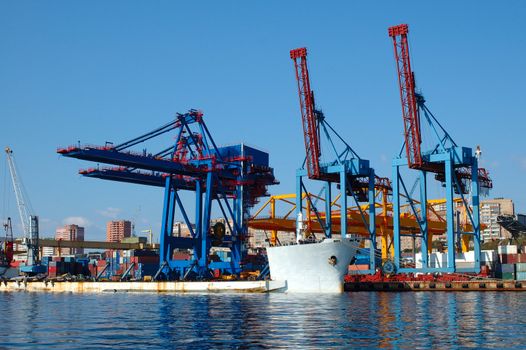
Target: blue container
(257,157)
(362,257)
(507,268)
(83,261)
(520,276)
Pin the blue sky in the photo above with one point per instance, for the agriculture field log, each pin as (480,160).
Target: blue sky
(107,71)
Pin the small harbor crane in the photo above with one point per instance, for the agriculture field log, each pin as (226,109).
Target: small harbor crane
(28,219)
(6,250)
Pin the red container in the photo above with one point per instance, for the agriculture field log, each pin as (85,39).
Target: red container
(179,256)
(52,271)
(147,259)
(521,258)
(358,267)
(509,258)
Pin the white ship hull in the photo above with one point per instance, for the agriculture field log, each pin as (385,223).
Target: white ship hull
(311,267)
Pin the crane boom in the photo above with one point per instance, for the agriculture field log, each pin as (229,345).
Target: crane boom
(23,209)
(408,96)
(308,113)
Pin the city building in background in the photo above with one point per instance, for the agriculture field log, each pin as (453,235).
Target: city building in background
(180,229)
(490,209)
(70,233)
(117,230)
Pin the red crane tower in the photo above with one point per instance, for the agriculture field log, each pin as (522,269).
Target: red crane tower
(454,166)
(308,113)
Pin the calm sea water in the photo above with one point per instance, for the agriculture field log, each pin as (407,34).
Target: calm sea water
(350,320)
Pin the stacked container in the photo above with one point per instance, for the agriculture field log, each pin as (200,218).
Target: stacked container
(57,266)
(506,271)
(520,271)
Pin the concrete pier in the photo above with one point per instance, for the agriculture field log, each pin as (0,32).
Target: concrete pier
(460,286)
(151,287)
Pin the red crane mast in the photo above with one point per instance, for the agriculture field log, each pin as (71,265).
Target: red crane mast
(408,97)
(308,113)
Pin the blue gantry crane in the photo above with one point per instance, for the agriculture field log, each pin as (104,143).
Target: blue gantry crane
(232,177)
(352,175)
(455,167)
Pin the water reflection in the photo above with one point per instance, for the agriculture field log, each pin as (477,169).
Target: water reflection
(352,320)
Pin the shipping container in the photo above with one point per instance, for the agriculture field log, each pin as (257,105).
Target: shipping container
(145,259)
(508,258)
(520,267)
(508,276)
(143,252)
(521,276)
(507,249)
(357,267)
(507,268)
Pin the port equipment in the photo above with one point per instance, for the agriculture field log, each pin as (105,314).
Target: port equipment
(62,243)
(28,219)
(285,222)
(6,251)
(513,224)
(230,179)
(454,167)
(352,175)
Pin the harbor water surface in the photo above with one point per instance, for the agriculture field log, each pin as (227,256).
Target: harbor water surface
(349,320)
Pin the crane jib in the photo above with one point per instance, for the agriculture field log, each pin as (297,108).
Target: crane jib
(308,113)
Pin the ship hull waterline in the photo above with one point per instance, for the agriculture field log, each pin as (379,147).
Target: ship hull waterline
(312,267)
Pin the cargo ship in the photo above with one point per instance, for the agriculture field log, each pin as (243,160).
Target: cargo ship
(312,267)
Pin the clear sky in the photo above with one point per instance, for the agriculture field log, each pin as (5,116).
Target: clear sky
(109,70)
